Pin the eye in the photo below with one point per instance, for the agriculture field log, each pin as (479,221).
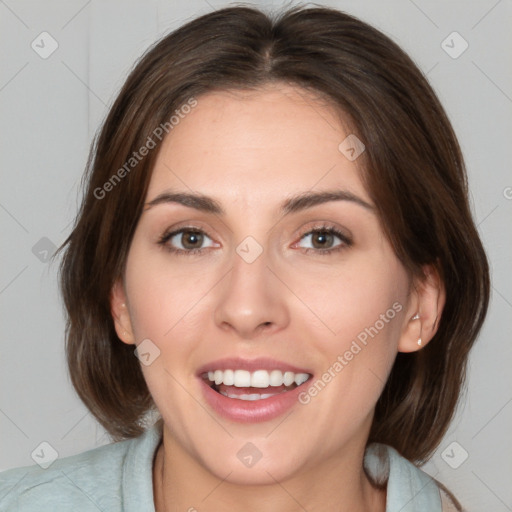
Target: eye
(324,240)
(186,241)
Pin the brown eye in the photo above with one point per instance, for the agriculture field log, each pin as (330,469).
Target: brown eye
(191,239)
(186,241)
(322,240)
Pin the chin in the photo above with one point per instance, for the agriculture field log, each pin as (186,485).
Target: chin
(256,460)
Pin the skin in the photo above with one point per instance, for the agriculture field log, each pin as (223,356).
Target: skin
(250,151)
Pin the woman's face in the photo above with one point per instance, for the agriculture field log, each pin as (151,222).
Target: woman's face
(252,269)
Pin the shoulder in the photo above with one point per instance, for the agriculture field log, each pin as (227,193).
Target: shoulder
(73,479)
(89,481)
(409,489)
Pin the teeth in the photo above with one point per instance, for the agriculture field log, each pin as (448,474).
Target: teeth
(288,378)
(252,397)
(260,379)
(300,378)
(276,378)
(242,378)
(257,379)
(229,377)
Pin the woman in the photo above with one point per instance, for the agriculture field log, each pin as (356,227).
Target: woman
(276,256)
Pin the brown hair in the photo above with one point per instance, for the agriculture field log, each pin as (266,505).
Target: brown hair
(413,171)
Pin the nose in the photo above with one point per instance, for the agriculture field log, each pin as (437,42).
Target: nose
(251,300)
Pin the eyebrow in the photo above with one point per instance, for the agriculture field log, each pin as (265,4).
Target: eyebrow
(197,201)
(310,199)
(293,204)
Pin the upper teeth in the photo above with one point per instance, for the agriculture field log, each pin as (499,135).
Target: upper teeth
(257,379)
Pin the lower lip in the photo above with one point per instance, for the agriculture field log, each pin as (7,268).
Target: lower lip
(251,411)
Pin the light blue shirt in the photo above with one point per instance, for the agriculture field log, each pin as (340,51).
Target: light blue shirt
(118,478)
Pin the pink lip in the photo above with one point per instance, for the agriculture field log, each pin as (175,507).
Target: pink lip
(245,411)
(251,365)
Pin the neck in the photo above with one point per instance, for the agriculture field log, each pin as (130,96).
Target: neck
(182,483)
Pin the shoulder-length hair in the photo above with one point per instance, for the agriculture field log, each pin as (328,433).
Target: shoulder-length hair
(412,168)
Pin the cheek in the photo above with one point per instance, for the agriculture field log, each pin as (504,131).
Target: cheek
(340,303)
(165,304)
(162,295)
(357,322)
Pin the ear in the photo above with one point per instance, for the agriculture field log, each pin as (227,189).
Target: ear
(427,300)
(120,313)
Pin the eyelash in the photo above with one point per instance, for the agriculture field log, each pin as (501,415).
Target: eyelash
(345,240)
(167,236)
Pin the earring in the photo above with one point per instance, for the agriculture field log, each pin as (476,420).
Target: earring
(417,317)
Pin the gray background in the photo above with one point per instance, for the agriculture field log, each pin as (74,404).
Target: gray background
(50,109)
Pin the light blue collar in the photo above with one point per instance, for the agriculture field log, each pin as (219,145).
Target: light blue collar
(409,489)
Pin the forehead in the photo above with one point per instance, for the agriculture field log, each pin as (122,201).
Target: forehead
(256,145)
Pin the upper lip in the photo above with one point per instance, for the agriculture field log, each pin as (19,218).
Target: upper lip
(251,365)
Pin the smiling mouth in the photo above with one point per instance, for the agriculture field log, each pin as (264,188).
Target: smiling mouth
(252,386)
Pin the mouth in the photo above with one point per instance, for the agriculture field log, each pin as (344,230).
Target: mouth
(255,385)
(249,391)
